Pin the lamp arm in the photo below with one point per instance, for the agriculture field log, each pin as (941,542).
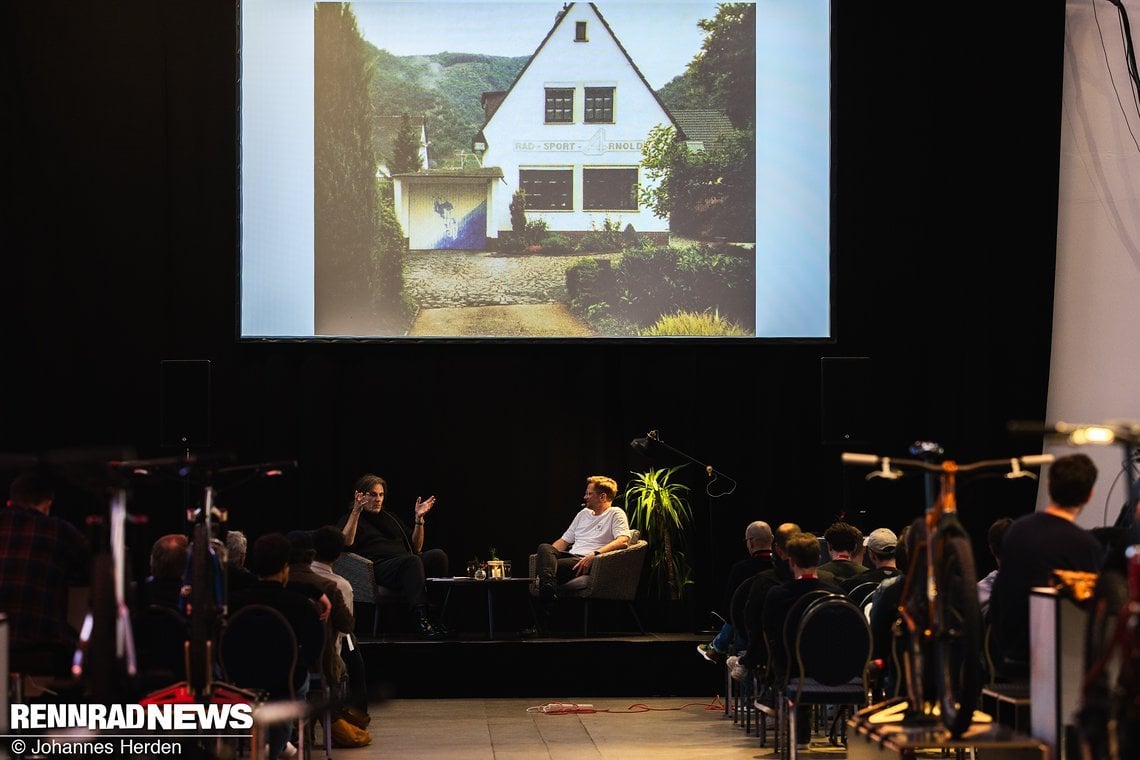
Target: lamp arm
(710,471)
(708,468)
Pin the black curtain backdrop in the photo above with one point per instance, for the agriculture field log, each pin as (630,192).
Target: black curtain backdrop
(121,250)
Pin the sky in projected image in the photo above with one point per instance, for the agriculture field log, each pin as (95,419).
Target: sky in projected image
(279,249)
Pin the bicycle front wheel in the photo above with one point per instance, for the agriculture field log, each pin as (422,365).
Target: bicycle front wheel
(958,632)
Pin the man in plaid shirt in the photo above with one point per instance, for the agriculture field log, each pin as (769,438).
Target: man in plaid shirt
(40,556)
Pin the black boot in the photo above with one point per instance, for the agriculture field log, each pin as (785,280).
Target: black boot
(541,623)
(424,625)
(437,620)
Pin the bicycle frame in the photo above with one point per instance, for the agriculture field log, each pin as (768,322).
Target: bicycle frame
(924,624)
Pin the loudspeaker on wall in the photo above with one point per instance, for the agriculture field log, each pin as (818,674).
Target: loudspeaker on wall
(184,403)
(844,394)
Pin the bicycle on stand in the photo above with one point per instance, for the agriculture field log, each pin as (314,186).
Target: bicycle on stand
(939,623)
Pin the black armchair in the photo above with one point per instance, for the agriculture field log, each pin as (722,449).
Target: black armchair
(614,576)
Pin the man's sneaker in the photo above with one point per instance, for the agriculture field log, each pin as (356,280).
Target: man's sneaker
(735,669)
(290,750)
(709,653)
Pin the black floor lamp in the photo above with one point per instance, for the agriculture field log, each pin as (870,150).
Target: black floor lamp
(652,443)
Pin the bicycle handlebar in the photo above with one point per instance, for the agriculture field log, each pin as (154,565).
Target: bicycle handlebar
(1014,463)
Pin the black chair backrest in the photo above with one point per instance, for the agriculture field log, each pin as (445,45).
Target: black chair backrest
(861,593)
(259,651)
(833,641)
(737,604)
(160,634)
(795,615)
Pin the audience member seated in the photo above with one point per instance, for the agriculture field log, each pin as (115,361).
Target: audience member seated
(41,557)
(238,576)
(1033,547)
(803,559)
(340,619)
(338,623)
(885,611)
(270,563)
(328,544)
(994,537)
(880,550)
(755,654)
(399,560)
(758,542)
(168,556)
(843,540)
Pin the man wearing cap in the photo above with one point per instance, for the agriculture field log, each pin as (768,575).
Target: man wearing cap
(880,545)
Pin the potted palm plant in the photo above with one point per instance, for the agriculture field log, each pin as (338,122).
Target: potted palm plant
(659,507)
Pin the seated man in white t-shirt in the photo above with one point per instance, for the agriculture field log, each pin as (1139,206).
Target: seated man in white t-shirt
(597,528)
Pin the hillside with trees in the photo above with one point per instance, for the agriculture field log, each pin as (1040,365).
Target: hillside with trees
(446,89)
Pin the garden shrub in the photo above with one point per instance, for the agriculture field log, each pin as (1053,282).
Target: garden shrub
(556,243)
(702,324)
(654,282)
(534,232)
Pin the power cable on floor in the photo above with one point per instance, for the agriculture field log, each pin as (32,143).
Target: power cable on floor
(571,708)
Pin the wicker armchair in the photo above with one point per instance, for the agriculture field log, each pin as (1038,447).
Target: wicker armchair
(613,576)
(358,571)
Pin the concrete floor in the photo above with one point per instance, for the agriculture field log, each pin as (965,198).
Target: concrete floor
(515,729)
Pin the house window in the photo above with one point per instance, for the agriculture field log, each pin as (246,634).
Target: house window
(580,31)
(608,189)
(547,189)
(559,105)
(599,105)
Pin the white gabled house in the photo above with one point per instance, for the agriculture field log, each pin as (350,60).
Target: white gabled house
(569,132)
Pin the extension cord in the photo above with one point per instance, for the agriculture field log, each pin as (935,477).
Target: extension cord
(555,707)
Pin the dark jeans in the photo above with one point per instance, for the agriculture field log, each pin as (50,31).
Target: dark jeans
(277,734)
(407,573)
(552,566)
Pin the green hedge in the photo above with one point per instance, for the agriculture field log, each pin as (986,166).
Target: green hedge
(645,284)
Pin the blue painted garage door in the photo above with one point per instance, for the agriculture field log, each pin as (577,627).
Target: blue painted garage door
(448,216)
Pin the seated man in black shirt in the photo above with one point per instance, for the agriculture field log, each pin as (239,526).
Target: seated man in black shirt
(843,540)
(1033,547)
(379,535)
(803,559)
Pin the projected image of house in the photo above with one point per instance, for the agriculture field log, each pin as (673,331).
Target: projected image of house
(568,133)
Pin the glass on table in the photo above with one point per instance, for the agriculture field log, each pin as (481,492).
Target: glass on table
(506,568)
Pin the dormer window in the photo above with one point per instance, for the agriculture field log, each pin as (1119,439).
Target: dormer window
(580,31)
